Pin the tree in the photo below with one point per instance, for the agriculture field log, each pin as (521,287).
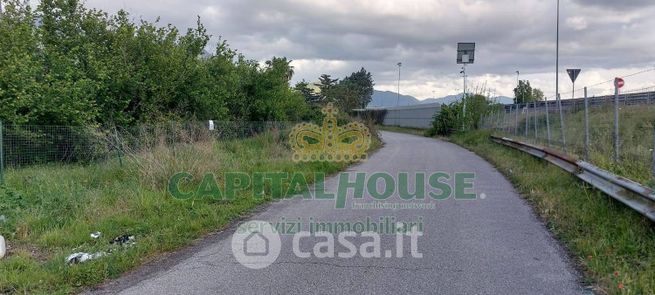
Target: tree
(451,118)
(64,64)
(325,84)
(303,88)
(537,94)
(346,98)
(524,93)
(361,82)
(20,89)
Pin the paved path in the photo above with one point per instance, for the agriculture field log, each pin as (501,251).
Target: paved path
(494,245)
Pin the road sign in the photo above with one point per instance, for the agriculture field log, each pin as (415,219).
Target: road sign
(573,74)
(619,83)
(465,53)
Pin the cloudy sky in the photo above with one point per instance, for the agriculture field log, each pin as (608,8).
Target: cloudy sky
(606,38)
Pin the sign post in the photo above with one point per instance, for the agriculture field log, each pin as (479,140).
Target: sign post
(573,74)
(618,83)
(465,55)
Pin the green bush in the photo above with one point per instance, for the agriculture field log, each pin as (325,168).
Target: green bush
(452,117)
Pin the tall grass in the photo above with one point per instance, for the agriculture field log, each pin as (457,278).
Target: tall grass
(636,134)
(614,245)
(52,209)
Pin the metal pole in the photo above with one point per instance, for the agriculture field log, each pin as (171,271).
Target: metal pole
(505,120)
(653,164)
(527,118)
(464,99)
(534,108)
(557,58)
(398,94)
(586,125)
(516,120)
(561,121)
(547,122)
(616,123)
(2,156)
(495,120)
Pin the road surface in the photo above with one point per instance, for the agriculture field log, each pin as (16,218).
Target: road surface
(494,245)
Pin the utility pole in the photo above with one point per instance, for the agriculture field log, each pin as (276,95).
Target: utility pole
(464,97)
(464,71)
(557,58)
(398,98)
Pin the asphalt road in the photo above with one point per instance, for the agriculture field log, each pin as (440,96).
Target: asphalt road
(494,245)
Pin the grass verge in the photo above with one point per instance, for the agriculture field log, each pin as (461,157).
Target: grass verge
(613,245)
(51,210)
(636,133)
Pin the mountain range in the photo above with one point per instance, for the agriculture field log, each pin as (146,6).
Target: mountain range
(391,99)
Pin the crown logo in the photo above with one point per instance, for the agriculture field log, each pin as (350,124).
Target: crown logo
(330,142)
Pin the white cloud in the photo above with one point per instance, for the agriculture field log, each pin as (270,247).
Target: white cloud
(603,37)
(577,23)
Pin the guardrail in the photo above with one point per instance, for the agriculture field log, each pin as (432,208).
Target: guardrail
(632,194)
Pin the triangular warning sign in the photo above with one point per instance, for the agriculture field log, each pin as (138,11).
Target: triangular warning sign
(573,74)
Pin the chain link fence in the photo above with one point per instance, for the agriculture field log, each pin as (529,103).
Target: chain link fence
(27,145)
(586,128)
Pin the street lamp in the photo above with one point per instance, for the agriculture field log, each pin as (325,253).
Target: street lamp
(398,98)
(559,99)
(557,56)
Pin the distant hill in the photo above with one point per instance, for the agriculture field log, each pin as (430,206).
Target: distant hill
(388,99)
(457,97)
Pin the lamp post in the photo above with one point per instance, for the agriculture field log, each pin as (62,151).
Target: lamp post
(398,97)
(557,55)
(557,95)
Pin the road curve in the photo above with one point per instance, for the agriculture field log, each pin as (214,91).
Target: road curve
(494,245)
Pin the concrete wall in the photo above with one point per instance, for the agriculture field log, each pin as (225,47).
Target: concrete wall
(415,116)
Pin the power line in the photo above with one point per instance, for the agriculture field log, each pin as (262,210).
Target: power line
(639,90)
(612,80)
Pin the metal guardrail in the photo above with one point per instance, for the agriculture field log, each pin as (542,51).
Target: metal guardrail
(632,194)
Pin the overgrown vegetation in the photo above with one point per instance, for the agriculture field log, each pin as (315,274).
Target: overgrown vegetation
(612,243)
(51,210)
(352,92)
(64,64)
(466,114)
(636,133)
(524,93)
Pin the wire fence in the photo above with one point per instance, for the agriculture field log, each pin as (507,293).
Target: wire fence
(588,129)
(28,145)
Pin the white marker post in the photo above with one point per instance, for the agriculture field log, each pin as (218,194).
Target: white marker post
(3,247)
